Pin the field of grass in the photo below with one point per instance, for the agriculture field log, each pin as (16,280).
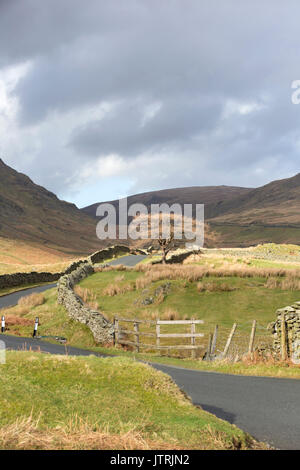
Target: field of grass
(249,298)
(65,402)
(19,256)
(54,321)
(218,288)
(239,235)
(151,293)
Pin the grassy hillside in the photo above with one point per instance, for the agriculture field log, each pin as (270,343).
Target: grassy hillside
(61,402)
(241,216)
(30,213)
(276,203)
(22,256)
(235,234)
(208,195)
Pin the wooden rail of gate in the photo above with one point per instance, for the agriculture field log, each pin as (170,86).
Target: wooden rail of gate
(119,332)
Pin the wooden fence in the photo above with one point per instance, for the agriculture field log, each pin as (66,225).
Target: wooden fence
(220,343)
(157,336)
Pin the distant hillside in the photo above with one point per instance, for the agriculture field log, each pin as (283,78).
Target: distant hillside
(29,212)
(276,203)
(242,216)
(211,196)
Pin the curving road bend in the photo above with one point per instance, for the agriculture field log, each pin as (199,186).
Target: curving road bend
(267,408)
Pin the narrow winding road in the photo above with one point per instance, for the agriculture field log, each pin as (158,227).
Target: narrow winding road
(267,408)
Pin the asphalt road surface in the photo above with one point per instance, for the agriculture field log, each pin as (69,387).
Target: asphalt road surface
(12,299)
(128,260)
(267,408)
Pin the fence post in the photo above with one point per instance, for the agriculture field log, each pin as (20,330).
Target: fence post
(252,337)
(209,345)
(3,324)
(229,340)
(36,324)
(214,340)
(157,336)
(137,336)
(283,339)
(193,340)
(116,322)
(114,334)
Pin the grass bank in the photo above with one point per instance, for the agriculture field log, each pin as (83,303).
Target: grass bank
(92,403)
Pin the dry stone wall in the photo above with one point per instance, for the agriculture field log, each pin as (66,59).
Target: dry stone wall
(100,327)
(291,316)
(22,279)
(107,253)
(112,252)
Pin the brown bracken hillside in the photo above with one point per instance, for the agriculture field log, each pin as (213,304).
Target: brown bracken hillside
(30,213)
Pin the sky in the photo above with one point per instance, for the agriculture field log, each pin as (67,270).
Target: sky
(103,99)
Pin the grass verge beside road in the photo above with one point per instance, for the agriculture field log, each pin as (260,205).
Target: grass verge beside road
(65,402)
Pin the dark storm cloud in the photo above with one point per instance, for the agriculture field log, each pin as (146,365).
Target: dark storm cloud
(204,83)
(127,131)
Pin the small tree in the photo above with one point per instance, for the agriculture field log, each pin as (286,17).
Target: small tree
(166,244)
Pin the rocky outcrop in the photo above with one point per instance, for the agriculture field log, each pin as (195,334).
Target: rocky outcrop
(291,316)
(100,327)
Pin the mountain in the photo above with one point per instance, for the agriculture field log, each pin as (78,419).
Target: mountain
(275,203)
(29,212)
(211,196)
(242,216)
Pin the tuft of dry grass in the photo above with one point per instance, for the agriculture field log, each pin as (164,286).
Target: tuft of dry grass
(88,297)
(214,287)
(32,300)
(25,433)
(197,273)
(116,289)
(170,314)
(283,284)
(142,282)
(13,320)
